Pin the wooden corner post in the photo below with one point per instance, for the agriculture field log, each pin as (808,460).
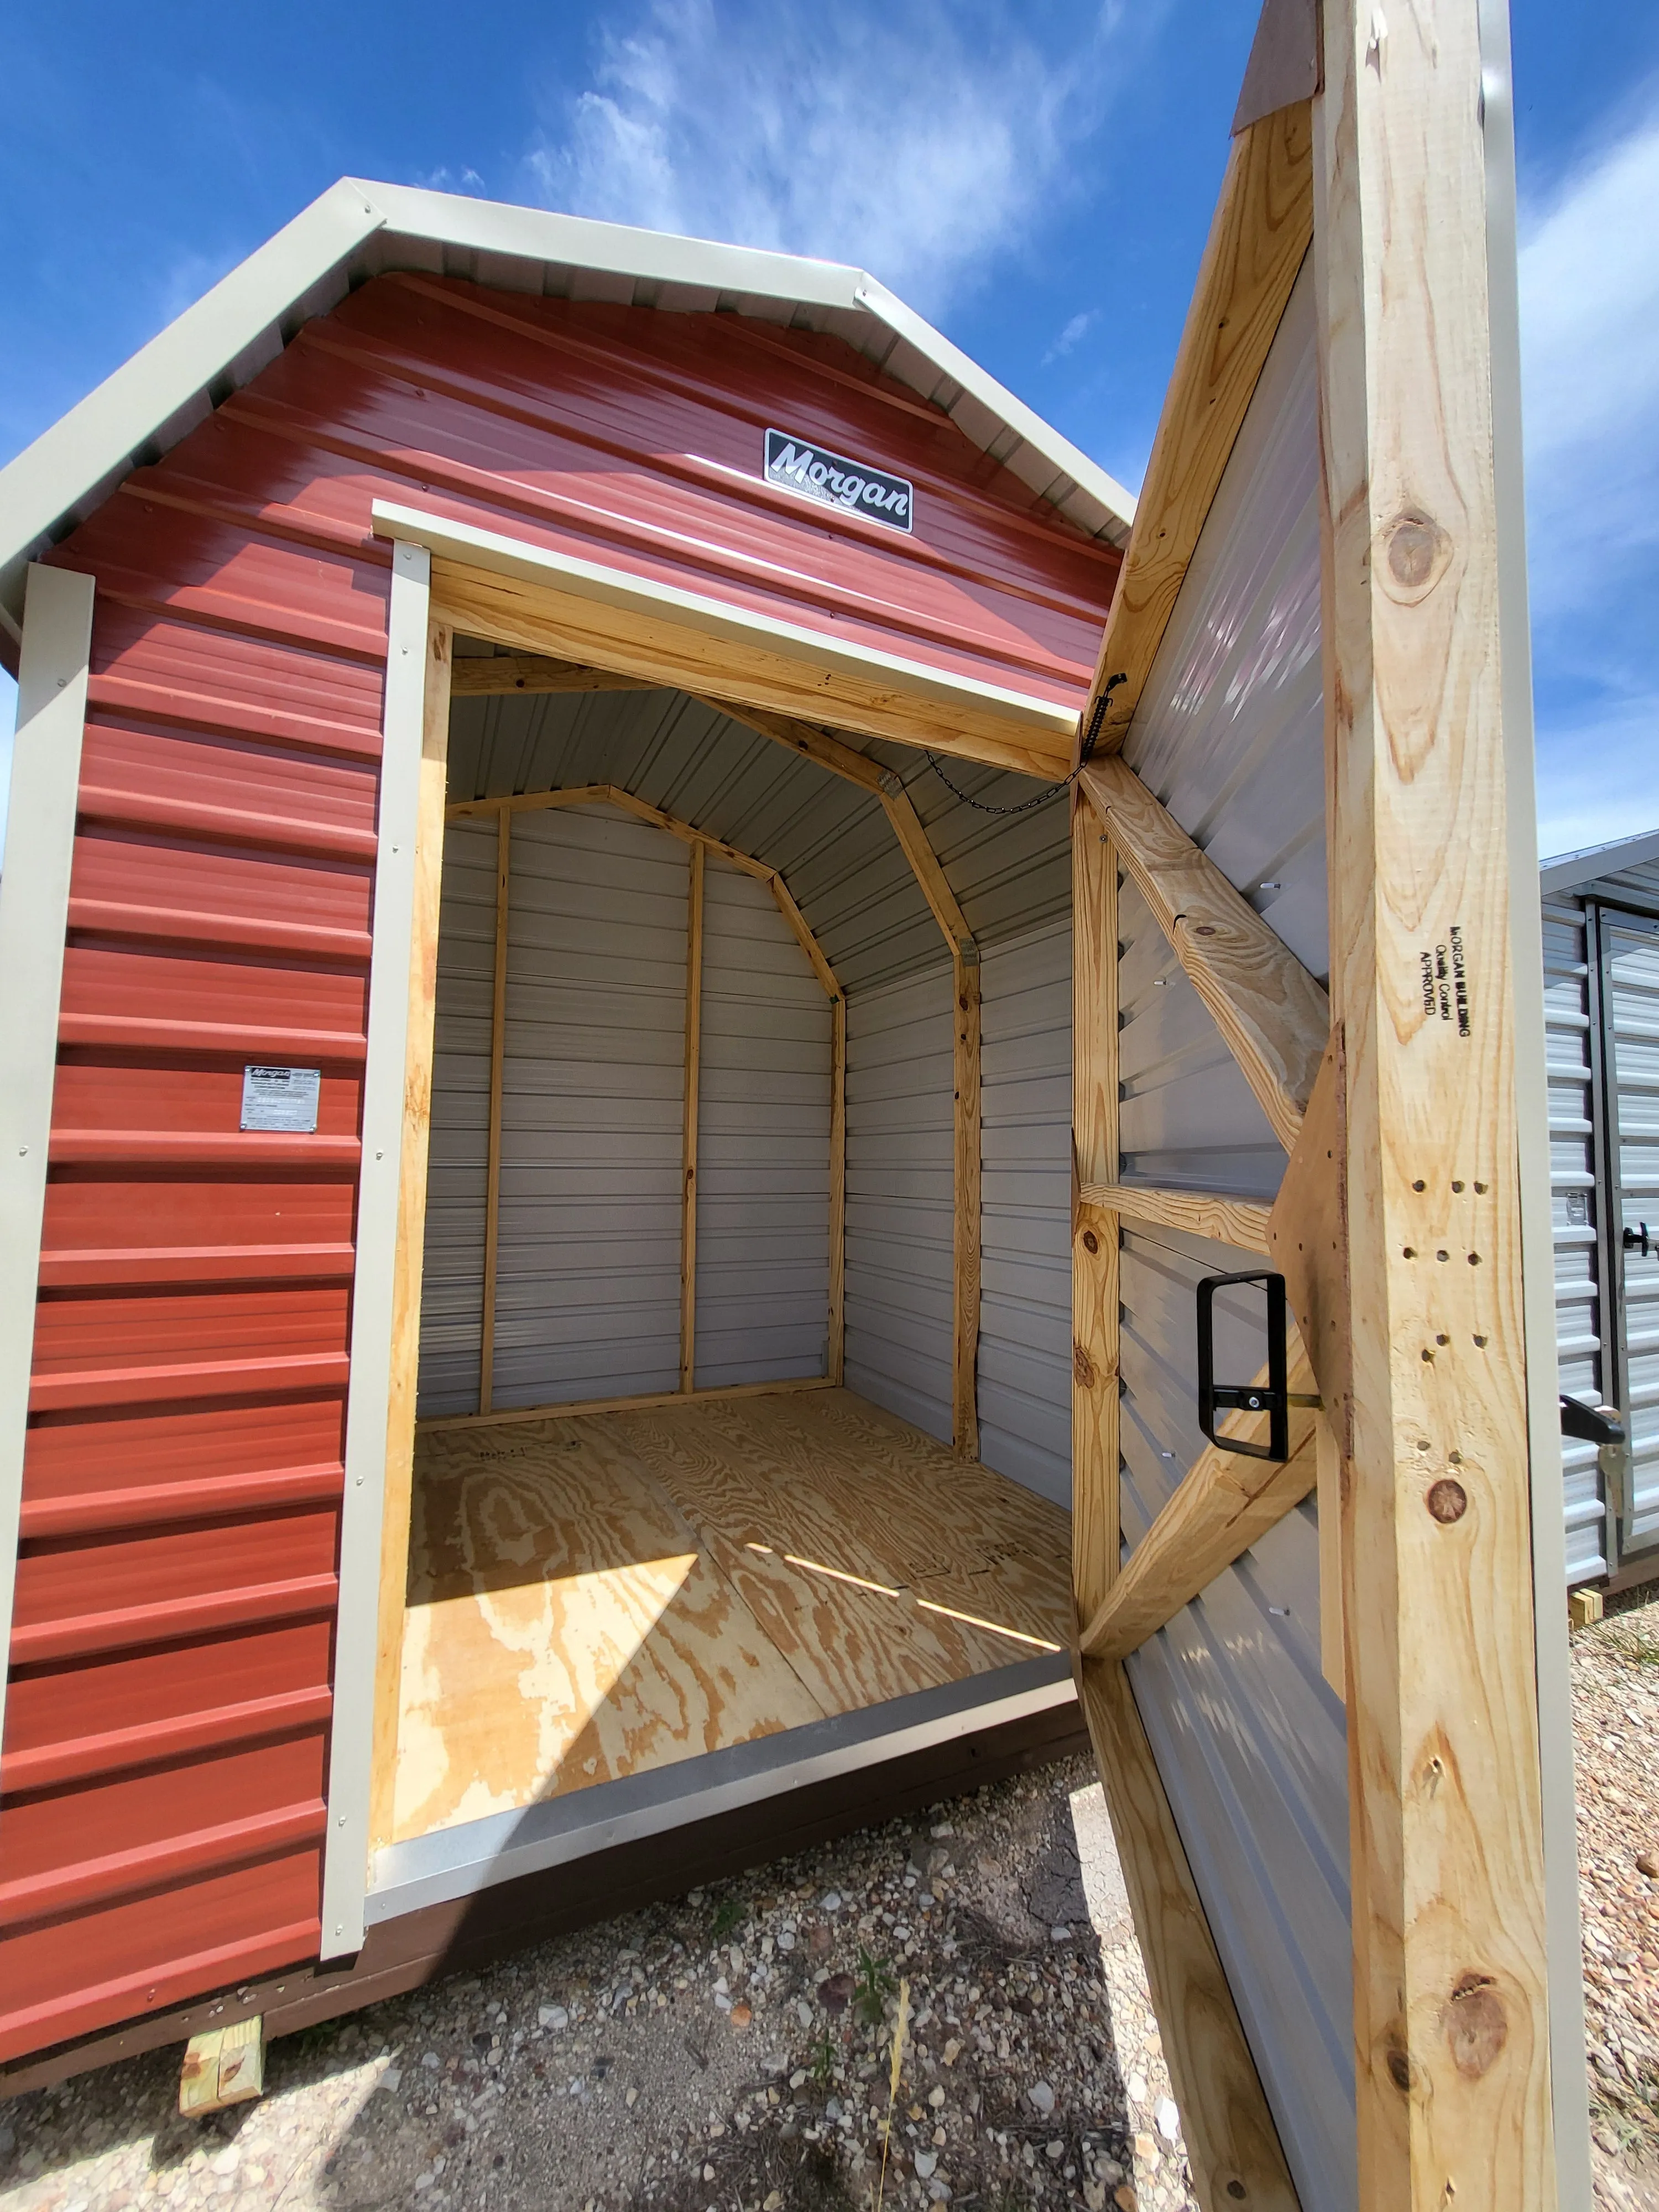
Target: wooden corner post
(415,1136)
(1451,2006)
(1094,1538)
(965,1242)
(693,1098)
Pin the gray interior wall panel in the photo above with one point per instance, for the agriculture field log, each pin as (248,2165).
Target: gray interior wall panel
(1025,1303)
(587,1285)
(900,1209)
(1230,732)
(832,841)
(1250,1739)
(1576,1219)
(1187,1116)
(762,1143)
(451,1281)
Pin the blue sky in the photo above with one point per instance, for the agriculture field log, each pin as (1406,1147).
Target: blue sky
(1037,178)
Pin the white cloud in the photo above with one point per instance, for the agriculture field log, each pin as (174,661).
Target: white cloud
(915,141)
(1589,310)
(1075,331)
(467,182)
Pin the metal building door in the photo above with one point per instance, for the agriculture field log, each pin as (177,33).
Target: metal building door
(1629,1012)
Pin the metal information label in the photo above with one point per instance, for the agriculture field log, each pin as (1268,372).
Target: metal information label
(281,1098)
(799,465)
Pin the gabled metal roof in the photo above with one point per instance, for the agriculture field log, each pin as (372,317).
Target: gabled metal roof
(357,230)
(1590,862)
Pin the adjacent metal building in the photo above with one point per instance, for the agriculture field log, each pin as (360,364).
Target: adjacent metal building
(1601,974)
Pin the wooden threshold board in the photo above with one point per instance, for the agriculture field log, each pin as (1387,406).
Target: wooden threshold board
(596,1594)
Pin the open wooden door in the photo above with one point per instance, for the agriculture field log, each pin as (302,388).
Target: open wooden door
(1296,1052)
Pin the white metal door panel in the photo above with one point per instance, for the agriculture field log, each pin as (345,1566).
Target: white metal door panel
(1630,985)
(1576,1224)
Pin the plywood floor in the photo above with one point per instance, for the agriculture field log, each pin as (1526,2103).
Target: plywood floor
(593,1596)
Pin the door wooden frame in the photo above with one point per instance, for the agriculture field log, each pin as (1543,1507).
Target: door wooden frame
(460,600)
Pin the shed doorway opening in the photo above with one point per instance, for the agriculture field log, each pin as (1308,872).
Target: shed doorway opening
(685,1475)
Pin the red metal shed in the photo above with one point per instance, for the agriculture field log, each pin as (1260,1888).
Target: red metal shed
(188,1723)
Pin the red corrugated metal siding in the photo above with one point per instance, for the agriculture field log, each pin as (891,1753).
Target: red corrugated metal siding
(164,1765)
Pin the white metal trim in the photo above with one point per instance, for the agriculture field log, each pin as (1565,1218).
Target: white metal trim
(587,579)
(537,234)
(1069,460)
(1562,1957)
(170,383)
(34,886)
(500,1847)
(351,1738)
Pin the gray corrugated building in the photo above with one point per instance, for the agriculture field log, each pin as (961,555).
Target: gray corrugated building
(1601,986)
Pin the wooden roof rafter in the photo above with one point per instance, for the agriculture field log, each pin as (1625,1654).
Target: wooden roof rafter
(591,794)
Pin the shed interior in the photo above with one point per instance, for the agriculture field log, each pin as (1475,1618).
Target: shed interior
(688,1471)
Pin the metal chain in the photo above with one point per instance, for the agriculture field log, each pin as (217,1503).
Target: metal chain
(1090,736)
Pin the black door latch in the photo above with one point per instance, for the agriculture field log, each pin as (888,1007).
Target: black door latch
(1638,1239)
(1273,1400)
(1592,1425)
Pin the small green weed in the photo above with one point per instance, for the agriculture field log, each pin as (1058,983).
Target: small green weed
(728,1916)
(875,1985)
(822,2064)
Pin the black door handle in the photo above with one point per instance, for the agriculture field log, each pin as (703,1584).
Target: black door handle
(1592,1425)
(1273,1400)
(1638,1240)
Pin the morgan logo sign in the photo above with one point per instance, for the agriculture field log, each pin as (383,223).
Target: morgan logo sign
(830,478)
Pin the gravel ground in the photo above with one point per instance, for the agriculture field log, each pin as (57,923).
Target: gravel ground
(1616,1688)
(729,2050)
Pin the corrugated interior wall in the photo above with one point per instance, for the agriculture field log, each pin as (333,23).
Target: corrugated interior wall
(900,1214)
(1575,1210)
(1025,1265)
(837,853)
(587,1297)
(588,1271)
(762,1143)
(452,1267)
(1250,1739)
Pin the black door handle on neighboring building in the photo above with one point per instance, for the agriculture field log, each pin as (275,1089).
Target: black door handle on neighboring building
(1592,1425)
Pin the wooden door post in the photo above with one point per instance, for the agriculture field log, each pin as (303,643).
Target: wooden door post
(1095,1538)
(1450,2008)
